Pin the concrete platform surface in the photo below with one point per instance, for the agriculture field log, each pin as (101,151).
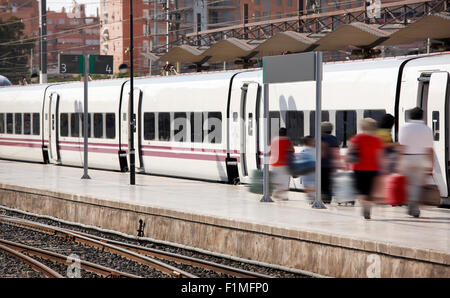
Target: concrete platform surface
(390,229)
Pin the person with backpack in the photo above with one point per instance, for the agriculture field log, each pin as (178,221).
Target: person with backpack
(309,179)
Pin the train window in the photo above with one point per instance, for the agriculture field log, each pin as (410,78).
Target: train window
(89,124)
(215,127)
(74,125)
(250,124)
(26,123)
(274,123)
(377,115)
(36,124)
(164,126)
(345,126)
(180,127)
(235,116)
(312,121)
(18,123)
(435,124)
(64,125)
(2,123)
(294,126)
(149,126)
(196,127)
(9,123)
(110,121)
(98,125)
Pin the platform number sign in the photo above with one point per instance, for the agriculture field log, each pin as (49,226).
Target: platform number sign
(71,64)
(98,64)
(101,64)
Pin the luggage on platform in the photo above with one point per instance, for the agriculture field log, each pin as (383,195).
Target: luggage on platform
(431,195)
(344,188)
(257,182)
(396,189)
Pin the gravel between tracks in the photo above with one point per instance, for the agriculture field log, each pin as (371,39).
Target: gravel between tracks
(67,248)
(197,271)
(12,267)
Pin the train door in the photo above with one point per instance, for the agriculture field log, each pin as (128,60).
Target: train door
(249,129)
(53,123)
(437,114)
(137,109)
(125,125)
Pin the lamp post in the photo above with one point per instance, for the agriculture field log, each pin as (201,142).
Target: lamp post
(131,117)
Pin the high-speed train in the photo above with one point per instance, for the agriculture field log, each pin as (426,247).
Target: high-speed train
(210,126)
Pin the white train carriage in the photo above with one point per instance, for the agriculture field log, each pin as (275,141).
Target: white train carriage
(425,83)
(63,108)
(21,123)
(168,109)
(209,126)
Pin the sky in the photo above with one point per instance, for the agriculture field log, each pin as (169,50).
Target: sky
(91,5)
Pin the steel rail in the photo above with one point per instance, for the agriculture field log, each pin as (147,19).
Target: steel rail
(36,265)
(156,253)
(59,258)
(102,245)
(178,258)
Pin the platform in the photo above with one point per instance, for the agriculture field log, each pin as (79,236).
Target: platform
(229,220)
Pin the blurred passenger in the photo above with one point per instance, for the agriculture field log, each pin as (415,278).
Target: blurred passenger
(416,139)
(280,149)
(330,159)
(369,148)
(384,132)
(309,180)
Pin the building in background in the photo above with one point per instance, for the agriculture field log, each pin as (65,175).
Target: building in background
(28,11)
(71,32)
(149,26)
(68,32)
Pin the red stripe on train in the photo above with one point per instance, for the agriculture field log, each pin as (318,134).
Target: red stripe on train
(184,155)
(15,144)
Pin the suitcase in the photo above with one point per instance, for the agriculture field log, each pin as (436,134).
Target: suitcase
(343,188)
(257,181)
(396,190)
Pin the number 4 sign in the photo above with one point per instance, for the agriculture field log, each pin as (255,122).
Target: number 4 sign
(101,64)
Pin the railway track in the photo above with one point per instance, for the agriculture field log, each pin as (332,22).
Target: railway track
(19,249)
(154,258)
(34,264)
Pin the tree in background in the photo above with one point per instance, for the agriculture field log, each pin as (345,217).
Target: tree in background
(15,48)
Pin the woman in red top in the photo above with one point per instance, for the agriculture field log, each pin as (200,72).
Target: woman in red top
(280,148)
(369,148)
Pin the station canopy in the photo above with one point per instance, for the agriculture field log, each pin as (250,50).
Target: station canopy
(182,54)
(433,26)
(228,50)
(356,34)
(282,42)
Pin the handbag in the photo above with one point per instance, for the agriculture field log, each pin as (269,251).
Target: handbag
(352,156)
(431,195)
